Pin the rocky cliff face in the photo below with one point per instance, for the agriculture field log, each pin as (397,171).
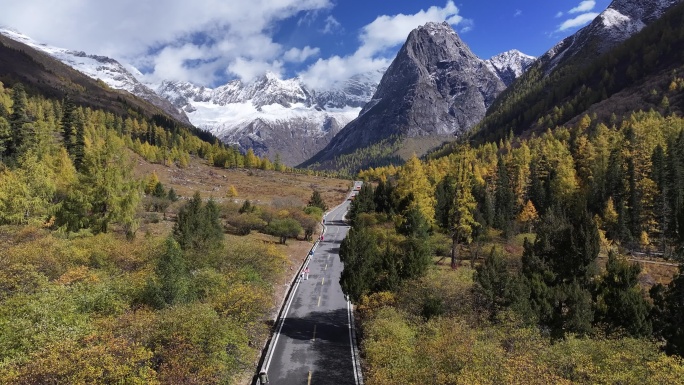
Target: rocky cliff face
(435,87)
(621,20)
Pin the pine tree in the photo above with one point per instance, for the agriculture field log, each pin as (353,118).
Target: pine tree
(68,124)
(316,200)
(360,256)
(23,134)
(199,232)
(504,198)
(363,203)
(462,223)
(444,200)
(668,313)
(173,274)
(621,303)
(5,139)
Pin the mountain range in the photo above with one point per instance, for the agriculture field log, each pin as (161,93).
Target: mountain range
(435,90)
(272,116)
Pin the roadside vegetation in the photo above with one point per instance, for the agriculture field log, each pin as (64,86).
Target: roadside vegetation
(108,277)
(515,262)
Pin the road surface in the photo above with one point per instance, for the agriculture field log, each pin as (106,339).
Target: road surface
(312,344)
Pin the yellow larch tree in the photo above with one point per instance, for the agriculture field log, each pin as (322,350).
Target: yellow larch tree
(413,181)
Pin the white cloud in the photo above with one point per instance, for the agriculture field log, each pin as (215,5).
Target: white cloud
(584,6)
(577,21)
(231,32)
(517,13)
(377,39)
(331,25)
(297,55)
(247,70)
(559,14)
(388,31)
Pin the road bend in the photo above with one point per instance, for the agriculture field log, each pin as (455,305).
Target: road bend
(312,341)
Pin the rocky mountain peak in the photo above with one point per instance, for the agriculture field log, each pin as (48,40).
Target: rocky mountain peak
(434,88)
(510,65)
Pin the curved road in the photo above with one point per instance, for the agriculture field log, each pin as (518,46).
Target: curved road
(312,344)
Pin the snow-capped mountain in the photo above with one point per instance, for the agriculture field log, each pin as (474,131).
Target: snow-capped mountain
(110,71)
(273,115)
(621,20)
(509,65)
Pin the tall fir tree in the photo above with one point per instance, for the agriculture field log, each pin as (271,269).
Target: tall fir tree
(316,200)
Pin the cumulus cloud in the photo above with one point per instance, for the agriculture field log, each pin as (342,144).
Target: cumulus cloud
(232,32)
(297,55)
(584,6)
(377,39)
(247,70)
(577,21)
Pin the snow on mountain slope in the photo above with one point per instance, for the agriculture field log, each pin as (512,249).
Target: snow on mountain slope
(618,22)
(110,71)
(271,115)
(509,65)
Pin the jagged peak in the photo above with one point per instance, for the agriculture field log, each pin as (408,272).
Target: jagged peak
(512,53)
(433,27)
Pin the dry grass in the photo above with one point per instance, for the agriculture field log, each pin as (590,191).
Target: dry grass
(261,187)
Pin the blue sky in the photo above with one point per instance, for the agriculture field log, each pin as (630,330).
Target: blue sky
(210,42)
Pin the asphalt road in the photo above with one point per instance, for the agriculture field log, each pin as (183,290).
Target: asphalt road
(313,345)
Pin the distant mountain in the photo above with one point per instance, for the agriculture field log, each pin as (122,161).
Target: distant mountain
(435,89)
(615,65)
(509,65)
(622,19)
(42,74)
(271,115)
(108,70)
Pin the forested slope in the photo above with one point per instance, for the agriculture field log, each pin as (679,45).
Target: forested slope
(644,67)
(106,277)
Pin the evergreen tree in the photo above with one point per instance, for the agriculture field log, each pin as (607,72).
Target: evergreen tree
(414,256)
(68,124)
(444,200)
(171,195)
(361,259)
(173,277)
(316,200)
(5,139)
(558,269)
(23,133)
(495,287)
(621,304)
(198,229)
(384,198)
(504,199)
(363,203)
(668,313)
